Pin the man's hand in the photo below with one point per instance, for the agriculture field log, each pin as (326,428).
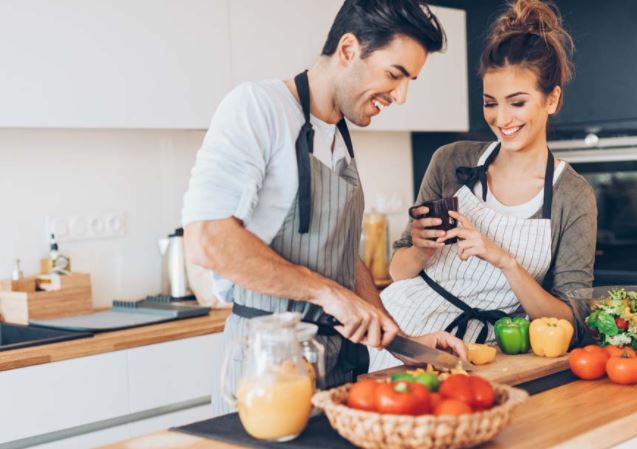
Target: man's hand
(361,322)
(472,243)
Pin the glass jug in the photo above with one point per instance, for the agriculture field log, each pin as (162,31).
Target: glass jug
(273,395)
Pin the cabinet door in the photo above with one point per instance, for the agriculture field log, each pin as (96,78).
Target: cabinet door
(438,100)
(54,396)
(112,64)
(277,38)
(174,372)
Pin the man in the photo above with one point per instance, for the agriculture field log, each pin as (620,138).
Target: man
(274,207)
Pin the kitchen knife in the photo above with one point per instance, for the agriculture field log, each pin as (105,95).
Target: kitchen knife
(411,349)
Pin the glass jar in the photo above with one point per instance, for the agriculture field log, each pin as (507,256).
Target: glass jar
(313,352)
(275,390)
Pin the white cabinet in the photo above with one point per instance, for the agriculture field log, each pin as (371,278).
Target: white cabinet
(91,401)
(112,64)
(55,396)
(438,100)
(173,372)
(277,38)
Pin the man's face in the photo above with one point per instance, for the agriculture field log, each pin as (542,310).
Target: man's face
(371,84)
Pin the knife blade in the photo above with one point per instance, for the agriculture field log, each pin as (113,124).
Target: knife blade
(424,354)
(412,349)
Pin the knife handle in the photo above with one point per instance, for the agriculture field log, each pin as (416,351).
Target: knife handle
(328,320)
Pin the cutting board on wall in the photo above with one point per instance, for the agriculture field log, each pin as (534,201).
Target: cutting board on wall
(505,369)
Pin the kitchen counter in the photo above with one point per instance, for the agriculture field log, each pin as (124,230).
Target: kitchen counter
(114,341)
(595,414)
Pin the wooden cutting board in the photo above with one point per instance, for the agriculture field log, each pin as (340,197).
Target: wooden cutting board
(505,369)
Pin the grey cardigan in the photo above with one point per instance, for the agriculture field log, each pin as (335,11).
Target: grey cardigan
(573,215)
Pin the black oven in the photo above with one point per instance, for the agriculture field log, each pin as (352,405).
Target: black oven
(612,172)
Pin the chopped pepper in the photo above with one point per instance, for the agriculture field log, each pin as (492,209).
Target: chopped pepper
(512,335)
(550,337)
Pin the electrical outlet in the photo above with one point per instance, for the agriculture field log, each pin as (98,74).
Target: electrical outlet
(86,227)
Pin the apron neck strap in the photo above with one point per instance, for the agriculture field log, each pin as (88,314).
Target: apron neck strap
(548,186)
(303,89)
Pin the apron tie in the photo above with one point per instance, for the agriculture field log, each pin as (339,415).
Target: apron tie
(486,317)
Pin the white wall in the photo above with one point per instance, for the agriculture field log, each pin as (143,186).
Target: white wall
(144,174)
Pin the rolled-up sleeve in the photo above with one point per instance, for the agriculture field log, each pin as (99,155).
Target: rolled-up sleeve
(230,166)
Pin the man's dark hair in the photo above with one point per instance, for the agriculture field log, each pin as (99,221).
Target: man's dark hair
(375,23)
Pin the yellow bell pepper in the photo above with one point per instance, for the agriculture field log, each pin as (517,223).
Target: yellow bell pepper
(550,337)
(480,354)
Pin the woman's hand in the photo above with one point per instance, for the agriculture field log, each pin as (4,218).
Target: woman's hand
(422,237)
(472,243)
(439,340)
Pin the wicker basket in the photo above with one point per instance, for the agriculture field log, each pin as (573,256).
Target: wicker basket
(371,430)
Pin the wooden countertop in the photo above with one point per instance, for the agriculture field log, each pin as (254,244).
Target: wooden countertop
(593,414)
(114,341)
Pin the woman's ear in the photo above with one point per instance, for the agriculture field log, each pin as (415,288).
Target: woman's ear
(348,48)
(553,99)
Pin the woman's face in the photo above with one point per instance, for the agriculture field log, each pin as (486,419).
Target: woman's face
(514,107)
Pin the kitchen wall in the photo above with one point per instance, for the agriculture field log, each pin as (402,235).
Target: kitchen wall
(142,173)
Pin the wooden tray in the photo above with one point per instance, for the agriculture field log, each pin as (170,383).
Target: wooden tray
(505,369)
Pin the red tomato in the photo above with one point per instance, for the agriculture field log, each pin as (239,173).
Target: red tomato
(457,386)
(402,398)
(483,394)
(621,323)
(362,395)
(615,351)
(472,390)
(452,407)
(435,399)
(623,369)
(588,362)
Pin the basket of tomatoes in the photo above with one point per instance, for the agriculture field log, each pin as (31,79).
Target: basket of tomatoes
(457,412)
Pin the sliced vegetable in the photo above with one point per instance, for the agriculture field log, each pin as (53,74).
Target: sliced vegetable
(512,335)
(551,337)
(480,354)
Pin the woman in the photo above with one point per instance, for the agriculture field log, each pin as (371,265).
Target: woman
(527,220)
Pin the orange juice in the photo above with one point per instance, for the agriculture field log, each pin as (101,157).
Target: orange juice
(277,408)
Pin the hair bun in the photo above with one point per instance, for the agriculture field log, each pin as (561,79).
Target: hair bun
(528,16)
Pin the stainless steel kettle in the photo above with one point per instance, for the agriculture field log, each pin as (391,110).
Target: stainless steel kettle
(174,279)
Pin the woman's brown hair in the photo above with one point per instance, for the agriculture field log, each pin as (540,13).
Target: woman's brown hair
(530,34)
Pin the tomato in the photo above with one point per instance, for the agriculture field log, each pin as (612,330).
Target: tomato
(435,399)
(621,323)
(615,351)
(623,369)
(588,362)
(457,386)
(362,395)
(472,390)
(402,398)
(483,394)
(452,407)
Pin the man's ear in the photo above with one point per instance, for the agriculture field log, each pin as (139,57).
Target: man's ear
(348,48)
(553,99)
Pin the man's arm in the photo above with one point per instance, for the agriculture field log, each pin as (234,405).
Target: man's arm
(365,286)
(227,248)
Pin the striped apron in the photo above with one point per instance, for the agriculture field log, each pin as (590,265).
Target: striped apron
(321,232)
(469,296)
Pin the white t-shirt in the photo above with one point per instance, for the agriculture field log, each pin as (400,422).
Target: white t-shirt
(246,166)
(525,210)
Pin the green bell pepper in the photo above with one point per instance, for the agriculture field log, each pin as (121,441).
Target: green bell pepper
(513,335)
(429,380)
